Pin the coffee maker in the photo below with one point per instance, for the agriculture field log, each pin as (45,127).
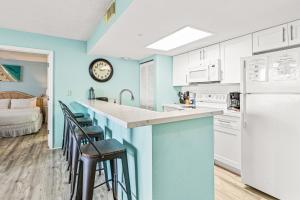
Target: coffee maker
(234,100)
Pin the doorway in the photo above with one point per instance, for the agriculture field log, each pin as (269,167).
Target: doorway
(49,93)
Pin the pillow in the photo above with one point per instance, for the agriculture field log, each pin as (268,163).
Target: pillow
(4,103)
(23,103)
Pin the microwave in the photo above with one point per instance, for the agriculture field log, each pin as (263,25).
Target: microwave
(205,73)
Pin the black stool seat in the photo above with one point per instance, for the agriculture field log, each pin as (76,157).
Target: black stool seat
(108,148)
(85,121)
(78,115)
(91,130)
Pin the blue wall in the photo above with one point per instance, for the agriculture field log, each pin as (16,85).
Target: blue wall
(71,71)
(33,78)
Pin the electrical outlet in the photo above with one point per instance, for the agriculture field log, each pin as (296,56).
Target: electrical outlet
(69,92)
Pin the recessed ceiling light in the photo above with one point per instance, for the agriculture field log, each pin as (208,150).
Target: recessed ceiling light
(179,38)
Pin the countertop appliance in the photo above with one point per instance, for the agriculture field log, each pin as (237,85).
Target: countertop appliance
(102,98)
(234,100)
(271,130)
(205,73)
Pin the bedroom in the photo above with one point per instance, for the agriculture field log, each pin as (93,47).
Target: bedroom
(23,93)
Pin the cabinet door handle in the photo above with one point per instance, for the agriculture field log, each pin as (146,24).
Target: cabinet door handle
(283,34)
(222,121)
(292,35)
(200,55)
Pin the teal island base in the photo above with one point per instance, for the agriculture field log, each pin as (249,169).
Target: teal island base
(168,161)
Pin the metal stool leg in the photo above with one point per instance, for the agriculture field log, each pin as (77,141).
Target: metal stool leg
(70,158)
(66,145)
(79,182)
(99,163)
(126,175)
(99,167)
(88,180)
(74,168)
(106,175)
(114,176)
(64,134)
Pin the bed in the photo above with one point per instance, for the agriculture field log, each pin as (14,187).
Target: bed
(17,121)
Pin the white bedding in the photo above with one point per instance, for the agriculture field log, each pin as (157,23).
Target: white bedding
(19,116)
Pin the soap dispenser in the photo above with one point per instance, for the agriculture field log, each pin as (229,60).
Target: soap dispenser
(91,93)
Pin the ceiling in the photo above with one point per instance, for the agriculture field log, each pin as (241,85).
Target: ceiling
(144,22)
(74,19)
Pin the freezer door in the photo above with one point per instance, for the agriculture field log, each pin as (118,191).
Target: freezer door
(277,72)
(271,144)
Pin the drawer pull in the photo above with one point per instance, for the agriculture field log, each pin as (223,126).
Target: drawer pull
(224,121)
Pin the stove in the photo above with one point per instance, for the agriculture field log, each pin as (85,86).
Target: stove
(215,101)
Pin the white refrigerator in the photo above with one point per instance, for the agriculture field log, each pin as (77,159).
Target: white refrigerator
(270,103)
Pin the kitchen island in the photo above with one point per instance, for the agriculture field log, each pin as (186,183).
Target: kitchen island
(170,153)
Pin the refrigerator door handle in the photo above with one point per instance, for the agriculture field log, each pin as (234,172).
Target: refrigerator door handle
(244,119)
(244,111)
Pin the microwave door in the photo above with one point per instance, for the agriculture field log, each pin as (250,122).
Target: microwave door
(215,71)
(198,75)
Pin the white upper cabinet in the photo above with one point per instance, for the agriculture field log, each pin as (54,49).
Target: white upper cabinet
(180,67)
(231,53)
(294,32)
(272,38)
(195,59)
(211,53)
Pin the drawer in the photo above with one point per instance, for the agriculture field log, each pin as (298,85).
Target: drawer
(231,124)
(228,118)
(225,130)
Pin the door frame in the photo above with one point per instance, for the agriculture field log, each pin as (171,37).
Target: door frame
(50,86)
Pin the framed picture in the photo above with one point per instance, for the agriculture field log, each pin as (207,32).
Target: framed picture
(10,73)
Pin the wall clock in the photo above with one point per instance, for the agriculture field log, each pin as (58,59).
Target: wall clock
(101,70)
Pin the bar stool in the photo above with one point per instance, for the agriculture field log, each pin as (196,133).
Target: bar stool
(76,115)
(96,133)
(90,155)
(82,120)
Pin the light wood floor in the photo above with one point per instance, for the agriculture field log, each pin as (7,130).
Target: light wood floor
(29,171)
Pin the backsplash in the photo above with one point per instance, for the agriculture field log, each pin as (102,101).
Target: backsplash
(214,88)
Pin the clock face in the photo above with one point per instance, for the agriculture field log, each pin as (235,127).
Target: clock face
(101,70)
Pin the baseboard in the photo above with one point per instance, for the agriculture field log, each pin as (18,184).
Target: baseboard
(227,164)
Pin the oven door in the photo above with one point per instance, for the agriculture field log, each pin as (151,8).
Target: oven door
(198,74)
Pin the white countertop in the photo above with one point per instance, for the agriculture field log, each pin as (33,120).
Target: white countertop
(131,117)
(226,111)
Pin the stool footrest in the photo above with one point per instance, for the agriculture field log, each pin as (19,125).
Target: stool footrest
(122,186)
(102,183)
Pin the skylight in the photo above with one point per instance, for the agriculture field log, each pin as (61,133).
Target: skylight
(179,38)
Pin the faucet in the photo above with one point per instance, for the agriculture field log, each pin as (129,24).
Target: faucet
(124,90)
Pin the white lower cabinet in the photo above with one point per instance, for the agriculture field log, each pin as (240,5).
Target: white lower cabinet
(227,132)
